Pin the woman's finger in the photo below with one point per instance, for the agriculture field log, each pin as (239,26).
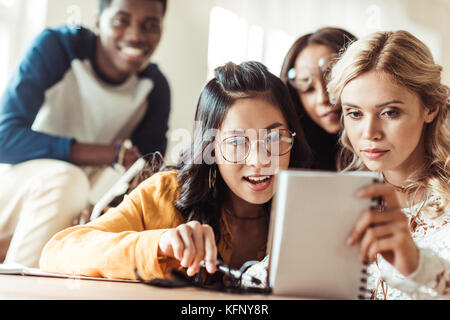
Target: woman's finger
(372,217)
(210,248)
(387,192)
(382,246)
(188,254)
(198,238)
(373,234)
(171,244)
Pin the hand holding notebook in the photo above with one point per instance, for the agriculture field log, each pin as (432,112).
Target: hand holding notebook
(312,217)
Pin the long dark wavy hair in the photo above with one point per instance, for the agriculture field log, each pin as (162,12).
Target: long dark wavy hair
(197,201)
(325,146)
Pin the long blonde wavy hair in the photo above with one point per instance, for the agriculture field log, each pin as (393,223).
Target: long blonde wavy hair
(410,64)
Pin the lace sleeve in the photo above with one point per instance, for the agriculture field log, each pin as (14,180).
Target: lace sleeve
(431,280)
(258,271)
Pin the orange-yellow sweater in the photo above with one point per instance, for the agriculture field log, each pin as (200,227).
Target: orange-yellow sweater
(126,237)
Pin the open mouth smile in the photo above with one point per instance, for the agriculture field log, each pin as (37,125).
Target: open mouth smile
(258,182)
(133,54)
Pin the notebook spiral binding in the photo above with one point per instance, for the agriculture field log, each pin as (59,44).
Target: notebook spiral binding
(364,292)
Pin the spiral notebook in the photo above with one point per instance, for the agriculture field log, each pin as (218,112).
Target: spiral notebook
(312,215)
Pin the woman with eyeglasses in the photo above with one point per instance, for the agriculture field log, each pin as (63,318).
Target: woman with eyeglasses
(214,205)
(305,71)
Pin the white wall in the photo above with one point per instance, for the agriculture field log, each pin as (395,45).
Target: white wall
(182,56)
(434,16)
(20,22)
(428,20)
(71,12)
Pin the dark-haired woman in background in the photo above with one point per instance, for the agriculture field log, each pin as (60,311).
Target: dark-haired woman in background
(215,205)
(305,69)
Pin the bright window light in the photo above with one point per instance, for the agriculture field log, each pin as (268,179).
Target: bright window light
(227,39)
(232,38)
(7,3)
(277,45)
(255,45)
(4,57)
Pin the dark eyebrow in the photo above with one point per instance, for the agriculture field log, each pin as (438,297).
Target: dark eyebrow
(377,106)
(235,132)
(269,127)
(274,125)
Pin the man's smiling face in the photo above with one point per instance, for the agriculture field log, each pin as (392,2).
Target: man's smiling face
(129,32)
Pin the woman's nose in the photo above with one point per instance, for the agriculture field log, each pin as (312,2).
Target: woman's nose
(258,155)
(322,94)
(371,129)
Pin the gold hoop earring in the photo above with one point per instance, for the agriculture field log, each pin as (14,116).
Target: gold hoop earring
(212,178)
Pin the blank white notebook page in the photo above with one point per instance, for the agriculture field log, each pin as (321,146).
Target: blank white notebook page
(315,213)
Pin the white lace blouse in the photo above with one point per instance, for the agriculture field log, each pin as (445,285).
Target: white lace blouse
(431,280)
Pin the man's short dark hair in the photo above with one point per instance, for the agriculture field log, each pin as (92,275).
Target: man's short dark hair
(103,4)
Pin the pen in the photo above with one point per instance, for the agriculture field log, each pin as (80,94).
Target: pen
(237,274)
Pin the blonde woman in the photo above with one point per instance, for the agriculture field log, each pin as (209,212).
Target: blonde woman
(396,122)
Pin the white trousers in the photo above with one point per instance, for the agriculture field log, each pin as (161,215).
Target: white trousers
(38,198)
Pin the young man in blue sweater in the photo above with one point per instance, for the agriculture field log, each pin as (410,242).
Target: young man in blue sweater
(74,97)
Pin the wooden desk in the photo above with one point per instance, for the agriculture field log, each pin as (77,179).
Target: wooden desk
(14,287)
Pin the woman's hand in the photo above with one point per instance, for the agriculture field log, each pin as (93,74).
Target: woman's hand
(386,232)
(190,243)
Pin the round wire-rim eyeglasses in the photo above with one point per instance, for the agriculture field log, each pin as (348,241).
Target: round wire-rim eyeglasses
(284,136)
(302,79)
